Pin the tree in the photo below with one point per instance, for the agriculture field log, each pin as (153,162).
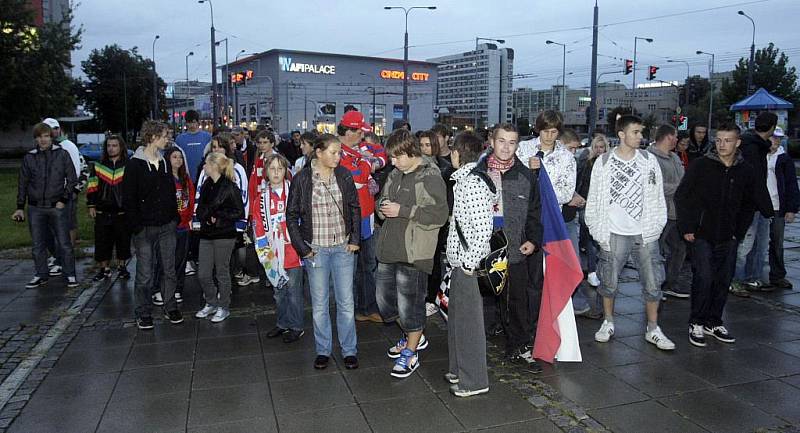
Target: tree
(120,80)
(34,65)
(771,72)
(611,117)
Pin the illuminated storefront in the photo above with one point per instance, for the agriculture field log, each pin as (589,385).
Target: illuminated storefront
(298,90)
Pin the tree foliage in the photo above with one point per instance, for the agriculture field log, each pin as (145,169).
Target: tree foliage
(771,72)
(34,66)
(119,79)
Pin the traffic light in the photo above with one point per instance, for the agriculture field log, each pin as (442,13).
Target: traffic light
(628,66)
(652,73)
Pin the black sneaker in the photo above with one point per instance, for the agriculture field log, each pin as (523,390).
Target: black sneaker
(720,333)
(276,332)
(783,284)
(676,293)
(696,335)
(144,322)
(35,282)
(350,362)
(291,335)
(123,273)
(102,274)
(174,316)
(522,356)
(321,362)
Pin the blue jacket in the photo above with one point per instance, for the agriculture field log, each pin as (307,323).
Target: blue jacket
(788,192)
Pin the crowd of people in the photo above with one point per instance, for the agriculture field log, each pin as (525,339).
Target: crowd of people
(385,227)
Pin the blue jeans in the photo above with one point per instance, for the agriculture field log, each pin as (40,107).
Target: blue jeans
(41,220)
(648,261)
(289,299)
(154,244)
(588,243)
(759,229)
(759,255)
(336,264)
(401,295)
(581,300)
(364,277)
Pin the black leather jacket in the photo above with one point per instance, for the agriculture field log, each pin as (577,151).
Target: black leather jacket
(45,178)
(298,213)
(221,200)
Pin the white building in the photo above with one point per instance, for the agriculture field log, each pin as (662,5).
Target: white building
(475,86)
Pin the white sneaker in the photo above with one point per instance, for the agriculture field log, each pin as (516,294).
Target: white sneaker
(659,339)
(430,309)
(206,311)
(246,280)
(51,261)
(72,282)
(605,332)
(592,279)
(220,315)
(190,269)
(55,270)
(178,297)
(157,299)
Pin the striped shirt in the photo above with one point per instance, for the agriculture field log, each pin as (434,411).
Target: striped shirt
(326,211)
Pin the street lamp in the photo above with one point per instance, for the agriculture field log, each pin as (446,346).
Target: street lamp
(235,91)
(751,64)
(710,85)
(685,83)
(191,53)
(635,40)
(475,84)
(155,81)
(405,54)
(225,93)
(214,102)
(563,98)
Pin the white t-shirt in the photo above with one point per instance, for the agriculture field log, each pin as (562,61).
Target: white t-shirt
(772,180)
(74,155)
(627,196)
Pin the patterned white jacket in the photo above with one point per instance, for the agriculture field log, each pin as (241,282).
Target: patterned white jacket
(654,210)
(472,208)
(560,165)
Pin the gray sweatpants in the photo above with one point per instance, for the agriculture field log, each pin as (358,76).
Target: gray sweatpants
(466,337)
(215,255)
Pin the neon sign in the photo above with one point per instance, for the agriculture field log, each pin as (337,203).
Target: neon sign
(238,77)
(287,65)
(389,74)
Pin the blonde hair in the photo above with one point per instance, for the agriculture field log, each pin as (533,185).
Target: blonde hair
(598,139)
(224,164)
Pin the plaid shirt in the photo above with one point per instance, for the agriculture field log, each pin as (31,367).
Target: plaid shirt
(326,211)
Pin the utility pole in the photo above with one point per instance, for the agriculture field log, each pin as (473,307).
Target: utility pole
(125,102)
(710,87)
(475,83)
(593,90)
(225,93)
(155,81)
(635,40)
(751,64)
(214,102)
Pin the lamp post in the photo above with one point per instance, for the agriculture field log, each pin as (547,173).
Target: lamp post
(373,97)
(636,39)
(191,53)
(475,82)
(225,101)
(155,81)
(405,54)
(751,64)
(235,90)
(563,99)
(685,83)
(214,102)
(710,86)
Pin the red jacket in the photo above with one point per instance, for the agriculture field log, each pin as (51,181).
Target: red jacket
(361,169)
(185,201)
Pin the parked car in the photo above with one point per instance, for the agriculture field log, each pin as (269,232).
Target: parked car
(94,151)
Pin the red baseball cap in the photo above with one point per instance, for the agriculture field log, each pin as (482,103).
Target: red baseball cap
(353,119)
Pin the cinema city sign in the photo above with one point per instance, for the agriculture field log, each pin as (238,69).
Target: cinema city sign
(287,65)
(389,74)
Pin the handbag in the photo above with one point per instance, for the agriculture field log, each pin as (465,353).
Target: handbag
(492,270)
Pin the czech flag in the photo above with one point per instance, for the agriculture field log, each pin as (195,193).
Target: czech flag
(556,333)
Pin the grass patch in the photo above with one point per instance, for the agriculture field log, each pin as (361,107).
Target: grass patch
(16,235)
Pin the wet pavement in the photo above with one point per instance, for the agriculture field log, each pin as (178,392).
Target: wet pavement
(72,360)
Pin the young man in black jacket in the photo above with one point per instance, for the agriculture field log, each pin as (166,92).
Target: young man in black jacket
(715,203)
(46,182)
(519,215)
(152,212)
(750,259)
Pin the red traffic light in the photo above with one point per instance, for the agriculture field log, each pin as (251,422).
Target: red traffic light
(628,66)
(652,73)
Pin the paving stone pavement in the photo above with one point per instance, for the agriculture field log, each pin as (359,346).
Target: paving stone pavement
(102,374)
